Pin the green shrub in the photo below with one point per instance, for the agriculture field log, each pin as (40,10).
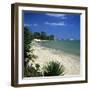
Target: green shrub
(53,68)
(31,71)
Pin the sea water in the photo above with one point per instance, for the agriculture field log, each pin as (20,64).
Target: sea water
(68,46)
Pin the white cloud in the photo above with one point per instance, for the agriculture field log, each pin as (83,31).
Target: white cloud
(35,24)
(55,24)
(27,25)
(62,16)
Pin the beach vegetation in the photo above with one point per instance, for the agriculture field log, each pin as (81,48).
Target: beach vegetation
(28,53)
(31,71)
(53,68)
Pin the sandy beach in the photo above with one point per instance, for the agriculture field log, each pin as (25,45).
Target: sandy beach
(70,62)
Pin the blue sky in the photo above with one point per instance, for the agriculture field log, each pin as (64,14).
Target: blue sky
(61,25)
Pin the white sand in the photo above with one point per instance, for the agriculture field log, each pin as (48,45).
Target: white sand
(70,62)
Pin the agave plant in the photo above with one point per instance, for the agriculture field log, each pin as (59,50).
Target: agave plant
(53,68)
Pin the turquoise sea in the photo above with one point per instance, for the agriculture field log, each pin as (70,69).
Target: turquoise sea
(71,47)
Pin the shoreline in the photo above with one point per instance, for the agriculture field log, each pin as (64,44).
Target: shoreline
(71,62)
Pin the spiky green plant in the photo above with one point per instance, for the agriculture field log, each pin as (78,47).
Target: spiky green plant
(53,68)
